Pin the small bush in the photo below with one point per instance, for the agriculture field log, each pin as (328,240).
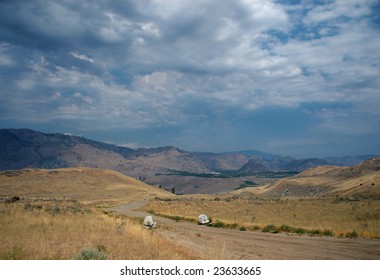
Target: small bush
(315,232)
(242,228)
(352,234)
(253,228)
(286,228)
(327,232)
(177,218)
(218,224)
(90,254)
(270,228)
(300,231)
(232,226)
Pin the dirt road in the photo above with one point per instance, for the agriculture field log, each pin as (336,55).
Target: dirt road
(216,243)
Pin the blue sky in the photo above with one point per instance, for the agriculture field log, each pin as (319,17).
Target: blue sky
(299,78)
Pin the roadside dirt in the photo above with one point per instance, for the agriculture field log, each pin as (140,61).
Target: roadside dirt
(215,243)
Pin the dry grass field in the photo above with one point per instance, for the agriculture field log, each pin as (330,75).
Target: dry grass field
(336,217)
(87,185)
(58,215)
(59,230)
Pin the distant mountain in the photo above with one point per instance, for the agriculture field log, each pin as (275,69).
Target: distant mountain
(256,165)
(359,181)
(169,167)
(252,162)
(223,161)
(348,160)
(25,148)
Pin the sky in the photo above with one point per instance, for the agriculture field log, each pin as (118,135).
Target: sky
(289,77)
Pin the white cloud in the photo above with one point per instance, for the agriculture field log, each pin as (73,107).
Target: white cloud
(336,9)
(129,145)
(82,57)
(164,63)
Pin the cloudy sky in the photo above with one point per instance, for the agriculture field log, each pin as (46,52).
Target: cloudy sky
(292,77)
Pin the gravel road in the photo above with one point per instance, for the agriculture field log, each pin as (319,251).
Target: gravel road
(216,243)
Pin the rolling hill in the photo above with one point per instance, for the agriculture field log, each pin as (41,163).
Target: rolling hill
(362,180)
(25,148)
(82,184)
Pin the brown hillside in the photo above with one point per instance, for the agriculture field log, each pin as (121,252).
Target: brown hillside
(82,184)
(362,180)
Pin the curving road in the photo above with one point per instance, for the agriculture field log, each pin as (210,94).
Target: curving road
(215,243)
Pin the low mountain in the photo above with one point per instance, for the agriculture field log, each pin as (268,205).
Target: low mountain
(362,180)
(223,161)
(170,167)
(303,164)
(25,148)
(252,161)
(259,165)
(256,165)
(233,161)
(348,160)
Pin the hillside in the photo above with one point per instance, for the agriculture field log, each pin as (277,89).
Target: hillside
(254,162)
(82,184)
(362,180)
(24,148)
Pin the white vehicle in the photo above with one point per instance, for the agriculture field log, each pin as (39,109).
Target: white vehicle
(203,219)
(149,223)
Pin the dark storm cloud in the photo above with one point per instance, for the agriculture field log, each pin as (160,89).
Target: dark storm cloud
(190,67)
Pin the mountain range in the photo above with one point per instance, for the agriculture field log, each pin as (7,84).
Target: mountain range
(358,181)
(25,148)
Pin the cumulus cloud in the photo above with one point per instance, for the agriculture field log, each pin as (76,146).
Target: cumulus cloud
(148,64)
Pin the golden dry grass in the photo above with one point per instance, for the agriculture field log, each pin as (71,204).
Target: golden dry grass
(60,231)
(82,184)
(340,217)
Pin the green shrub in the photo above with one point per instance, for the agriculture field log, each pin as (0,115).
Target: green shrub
(352,234)
(232,226)
(242,228)
(286,228)
(270,228)
(90,254)
(315,232)
(300,231)
(327,232)
(254,227)
(218,224)
(176,218)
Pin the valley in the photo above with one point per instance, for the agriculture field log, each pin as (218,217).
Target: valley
(39,208)
(162,166)
(66,197)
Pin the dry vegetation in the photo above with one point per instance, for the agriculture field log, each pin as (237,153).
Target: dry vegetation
(339,217)
(88,185)
(61,229)
(58,216)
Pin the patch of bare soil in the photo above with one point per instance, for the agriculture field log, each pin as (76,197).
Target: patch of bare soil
(216,243)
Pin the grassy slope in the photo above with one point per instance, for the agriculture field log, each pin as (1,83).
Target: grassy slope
(45,233)
(55,218)
(362,180)
(82,184)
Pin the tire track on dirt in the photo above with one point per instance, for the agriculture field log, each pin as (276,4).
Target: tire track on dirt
(216,243)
